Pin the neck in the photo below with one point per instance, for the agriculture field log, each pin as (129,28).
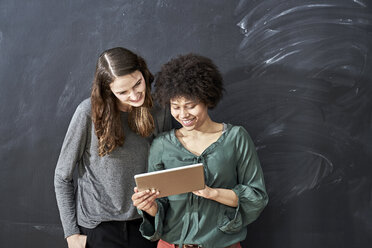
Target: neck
(208,126)
(123,107)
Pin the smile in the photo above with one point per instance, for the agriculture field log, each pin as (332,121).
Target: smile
(138,100)
(188,122)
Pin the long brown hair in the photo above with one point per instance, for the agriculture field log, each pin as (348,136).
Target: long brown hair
(111,64)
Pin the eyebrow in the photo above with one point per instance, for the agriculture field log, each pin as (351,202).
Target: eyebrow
(137,82)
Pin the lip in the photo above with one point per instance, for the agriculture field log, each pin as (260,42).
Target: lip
(188,122)
(138,100)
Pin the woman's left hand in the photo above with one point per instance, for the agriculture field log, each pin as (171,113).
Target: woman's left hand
(224,196)
(207,192)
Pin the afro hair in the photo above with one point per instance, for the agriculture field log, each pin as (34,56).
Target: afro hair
(191,76)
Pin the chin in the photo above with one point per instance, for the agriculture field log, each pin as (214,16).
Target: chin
(189,128)
(137,104)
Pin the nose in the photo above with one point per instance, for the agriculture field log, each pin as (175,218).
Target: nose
(184,113)
(133,95)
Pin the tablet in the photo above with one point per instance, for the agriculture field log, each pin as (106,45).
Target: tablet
(172,181)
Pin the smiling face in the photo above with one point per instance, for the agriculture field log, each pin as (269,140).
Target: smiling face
(130,90)
(191,114)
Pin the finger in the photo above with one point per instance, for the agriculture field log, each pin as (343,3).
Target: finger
(147,206)
(138,198)
(149,195)
(140,194)
(147,203)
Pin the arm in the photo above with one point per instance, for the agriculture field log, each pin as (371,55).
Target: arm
(250,188)
(152,228)
(77,241)
(71,152)
(224,196)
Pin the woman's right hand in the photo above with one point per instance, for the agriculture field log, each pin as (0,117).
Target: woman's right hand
(145,201)
(77,241)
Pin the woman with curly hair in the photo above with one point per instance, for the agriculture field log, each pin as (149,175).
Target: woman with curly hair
(108,139)
(235,194)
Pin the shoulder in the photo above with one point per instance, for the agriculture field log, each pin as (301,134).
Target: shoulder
(161,144)
(84,108)
(157,145)
(237,130)
(164,137)
(239,135)
(165,140)
(83,112)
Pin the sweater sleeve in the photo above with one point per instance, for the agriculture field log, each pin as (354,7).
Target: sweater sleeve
(71,152)
(250,189)
(152,229)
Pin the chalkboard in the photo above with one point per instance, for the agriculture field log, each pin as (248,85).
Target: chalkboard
(298,77)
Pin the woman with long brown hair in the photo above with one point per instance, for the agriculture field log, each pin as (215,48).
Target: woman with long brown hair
(108,141)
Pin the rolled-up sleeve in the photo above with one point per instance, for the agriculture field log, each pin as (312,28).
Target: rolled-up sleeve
(152,229)
(250,189)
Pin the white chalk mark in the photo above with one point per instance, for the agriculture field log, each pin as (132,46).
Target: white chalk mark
(299,8)
(360,3)
(323,157)
(279,57)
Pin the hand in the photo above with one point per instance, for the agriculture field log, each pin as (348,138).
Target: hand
(77,241)
(145,201)
(225,196)
(207,192)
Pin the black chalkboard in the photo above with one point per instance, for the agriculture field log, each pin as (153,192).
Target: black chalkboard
(298,76)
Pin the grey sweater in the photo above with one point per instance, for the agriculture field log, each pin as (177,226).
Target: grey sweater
(104,184)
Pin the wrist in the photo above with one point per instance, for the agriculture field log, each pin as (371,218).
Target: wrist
(153,210)
(72,237)
(214,194)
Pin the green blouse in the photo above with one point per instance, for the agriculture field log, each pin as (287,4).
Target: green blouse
(231,163)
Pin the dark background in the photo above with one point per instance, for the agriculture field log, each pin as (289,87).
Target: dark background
(297,75)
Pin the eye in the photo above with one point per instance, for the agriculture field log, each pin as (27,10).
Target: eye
(191,106)
(175,107)
(137,84)
(123,93)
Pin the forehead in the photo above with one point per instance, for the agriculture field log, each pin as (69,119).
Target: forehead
(126,82)
(182,100)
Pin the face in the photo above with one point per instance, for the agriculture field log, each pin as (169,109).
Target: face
(130,90)
(190,114)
